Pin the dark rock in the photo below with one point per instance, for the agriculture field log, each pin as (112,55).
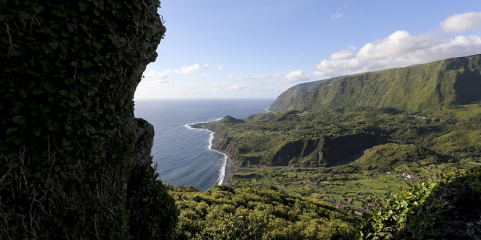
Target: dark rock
(144,132)
(464,217)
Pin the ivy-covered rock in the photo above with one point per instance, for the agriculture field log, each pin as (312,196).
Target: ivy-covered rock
(68,72)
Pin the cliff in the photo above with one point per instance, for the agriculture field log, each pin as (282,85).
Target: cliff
(331,137)
(272,139)
(440,84)
(76,164)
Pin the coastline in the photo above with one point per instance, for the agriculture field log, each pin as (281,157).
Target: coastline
(226,172)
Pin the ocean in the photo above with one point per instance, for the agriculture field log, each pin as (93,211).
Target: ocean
(182,153)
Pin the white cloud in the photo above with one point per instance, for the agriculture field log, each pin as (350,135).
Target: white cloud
(220,67)
(302,55)
(396,44)
(294,77)
(337,16)
(160,81)
(460,23)
(328,68)
(397,50)
(342,54)
(155,74)
(155,77)
(230,88)
(191,69)
(236,88)
(249,78)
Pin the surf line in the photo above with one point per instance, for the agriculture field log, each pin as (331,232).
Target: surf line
(222,169)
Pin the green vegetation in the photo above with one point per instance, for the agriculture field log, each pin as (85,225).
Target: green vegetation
(252,213)
(339,186)
(446,83)
(381,139)
(422,211)
(76,164)
(352,157)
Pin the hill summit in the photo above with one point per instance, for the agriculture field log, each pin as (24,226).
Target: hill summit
(440,84)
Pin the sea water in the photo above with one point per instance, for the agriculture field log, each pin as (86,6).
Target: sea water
(183,154)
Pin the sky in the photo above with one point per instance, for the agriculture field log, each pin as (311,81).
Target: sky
(260,48)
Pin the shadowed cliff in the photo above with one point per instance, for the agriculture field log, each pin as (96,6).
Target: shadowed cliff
(75,163)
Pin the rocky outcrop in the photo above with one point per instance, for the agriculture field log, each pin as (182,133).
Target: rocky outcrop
(149,203)
(296,149)
(345,149)
(445,83)
(144,140)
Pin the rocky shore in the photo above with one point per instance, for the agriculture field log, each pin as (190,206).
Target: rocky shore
(229,172)
(229,166)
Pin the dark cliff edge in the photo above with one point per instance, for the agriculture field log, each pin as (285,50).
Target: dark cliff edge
(446,83)
(76,163)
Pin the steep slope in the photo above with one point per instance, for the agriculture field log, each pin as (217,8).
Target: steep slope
(285,98)
(438,84)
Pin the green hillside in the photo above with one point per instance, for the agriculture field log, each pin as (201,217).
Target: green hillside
(332,137)
(357,142)
(440,84)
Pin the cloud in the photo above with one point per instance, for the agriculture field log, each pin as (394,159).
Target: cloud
(342,54)
(230,88)
(220,67)
(155,74)
(461,23)
(328,68)
(160,81)
(249,78)
(396,44)
(294,77)
(191,69)
(302,55)
(337,16)
(158,77)
(397,50)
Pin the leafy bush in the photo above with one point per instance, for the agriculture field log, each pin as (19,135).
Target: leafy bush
(421,211)
(252,213)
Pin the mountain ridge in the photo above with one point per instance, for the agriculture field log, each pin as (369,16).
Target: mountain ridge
(446,83)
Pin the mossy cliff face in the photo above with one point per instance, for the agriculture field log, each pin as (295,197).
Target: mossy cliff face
(445,83)
(69,140)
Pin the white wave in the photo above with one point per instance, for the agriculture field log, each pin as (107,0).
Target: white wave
(220,179)
(188,125)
